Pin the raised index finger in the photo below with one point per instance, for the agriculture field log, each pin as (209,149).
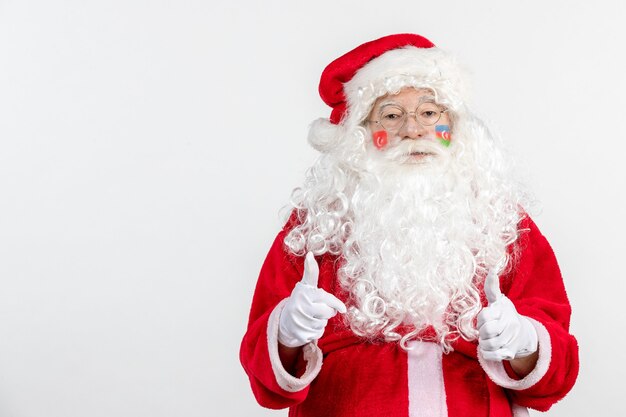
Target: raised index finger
(311,271)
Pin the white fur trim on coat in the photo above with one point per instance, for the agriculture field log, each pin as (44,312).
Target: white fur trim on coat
(519,411)
(312,356)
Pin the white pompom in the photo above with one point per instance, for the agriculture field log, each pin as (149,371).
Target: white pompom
(323,135)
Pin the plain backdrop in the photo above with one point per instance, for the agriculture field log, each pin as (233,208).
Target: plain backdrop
(146,148)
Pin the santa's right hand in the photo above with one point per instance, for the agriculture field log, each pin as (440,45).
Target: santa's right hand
(308,309)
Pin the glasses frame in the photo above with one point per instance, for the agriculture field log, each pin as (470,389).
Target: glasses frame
(412,114)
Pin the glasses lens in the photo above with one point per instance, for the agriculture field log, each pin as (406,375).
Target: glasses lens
(392,118)
(428,114)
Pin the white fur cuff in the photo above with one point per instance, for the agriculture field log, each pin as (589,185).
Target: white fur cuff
(496,372)
(312,356)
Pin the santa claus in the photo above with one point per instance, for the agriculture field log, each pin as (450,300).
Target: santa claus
(408,280)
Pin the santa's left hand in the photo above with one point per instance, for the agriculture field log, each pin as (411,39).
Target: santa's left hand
(504,334)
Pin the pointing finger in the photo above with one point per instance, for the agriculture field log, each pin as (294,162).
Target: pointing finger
(311,271)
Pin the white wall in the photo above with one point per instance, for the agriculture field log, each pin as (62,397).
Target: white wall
(147,146)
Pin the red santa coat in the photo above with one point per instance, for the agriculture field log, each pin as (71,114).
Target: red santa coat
(359,378)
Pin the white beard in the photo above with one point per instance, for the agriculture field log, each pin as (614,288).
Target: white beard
(409,259)
(415,239)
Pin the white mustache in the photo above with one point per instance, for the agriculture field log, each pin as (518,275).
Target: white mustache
(405,148)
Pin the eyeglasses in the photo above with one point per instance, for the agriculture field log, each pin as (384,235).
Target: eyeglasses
(393,118)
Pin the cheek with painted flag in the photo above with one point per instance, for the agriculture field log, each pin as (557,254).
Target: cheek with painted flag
(380,139)
(442,133)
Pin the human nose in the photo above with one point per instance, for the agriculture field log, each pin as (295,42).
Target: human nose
(412,129)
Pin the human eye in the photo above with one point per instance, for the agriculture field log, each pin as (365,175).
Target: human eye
(428,112)
(391,114)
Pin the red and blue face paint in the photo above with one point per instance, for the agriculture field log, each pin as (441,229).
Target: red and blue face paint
(442,132)
(380,139)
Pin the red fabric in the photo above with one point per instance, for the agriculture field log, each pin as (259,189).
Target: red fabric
(342,69)
(363,379)
(537,290)
(278,276)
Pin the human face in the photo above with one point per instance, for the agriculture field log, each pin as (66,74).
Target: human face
(425,130)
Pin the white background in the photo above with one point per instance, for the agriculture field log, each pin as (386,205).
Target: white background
(146,148)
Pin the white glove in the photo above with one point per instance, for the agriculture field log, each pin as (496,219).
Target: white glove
(503,332)
(308,309)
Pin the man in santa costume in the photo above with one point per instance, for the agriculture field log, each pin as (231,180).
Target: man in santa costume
(408,280)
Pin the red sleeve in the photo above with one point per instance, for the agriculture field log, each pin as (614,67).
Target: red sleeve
(536,288)
(279,274)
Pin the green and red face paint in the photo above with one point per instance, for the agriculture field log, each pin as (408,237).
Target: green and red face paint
(442,133)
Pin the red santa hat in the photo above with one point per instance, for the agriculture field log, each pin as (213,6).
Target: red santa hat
(351,83)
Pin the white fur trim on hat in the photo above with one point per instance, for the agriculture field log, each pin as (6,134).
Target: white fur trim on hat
(430,68)
(323,135)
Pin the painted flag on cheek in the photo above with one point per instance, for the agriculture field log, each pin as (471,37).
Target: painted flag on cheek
(442,132)
(380,139)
